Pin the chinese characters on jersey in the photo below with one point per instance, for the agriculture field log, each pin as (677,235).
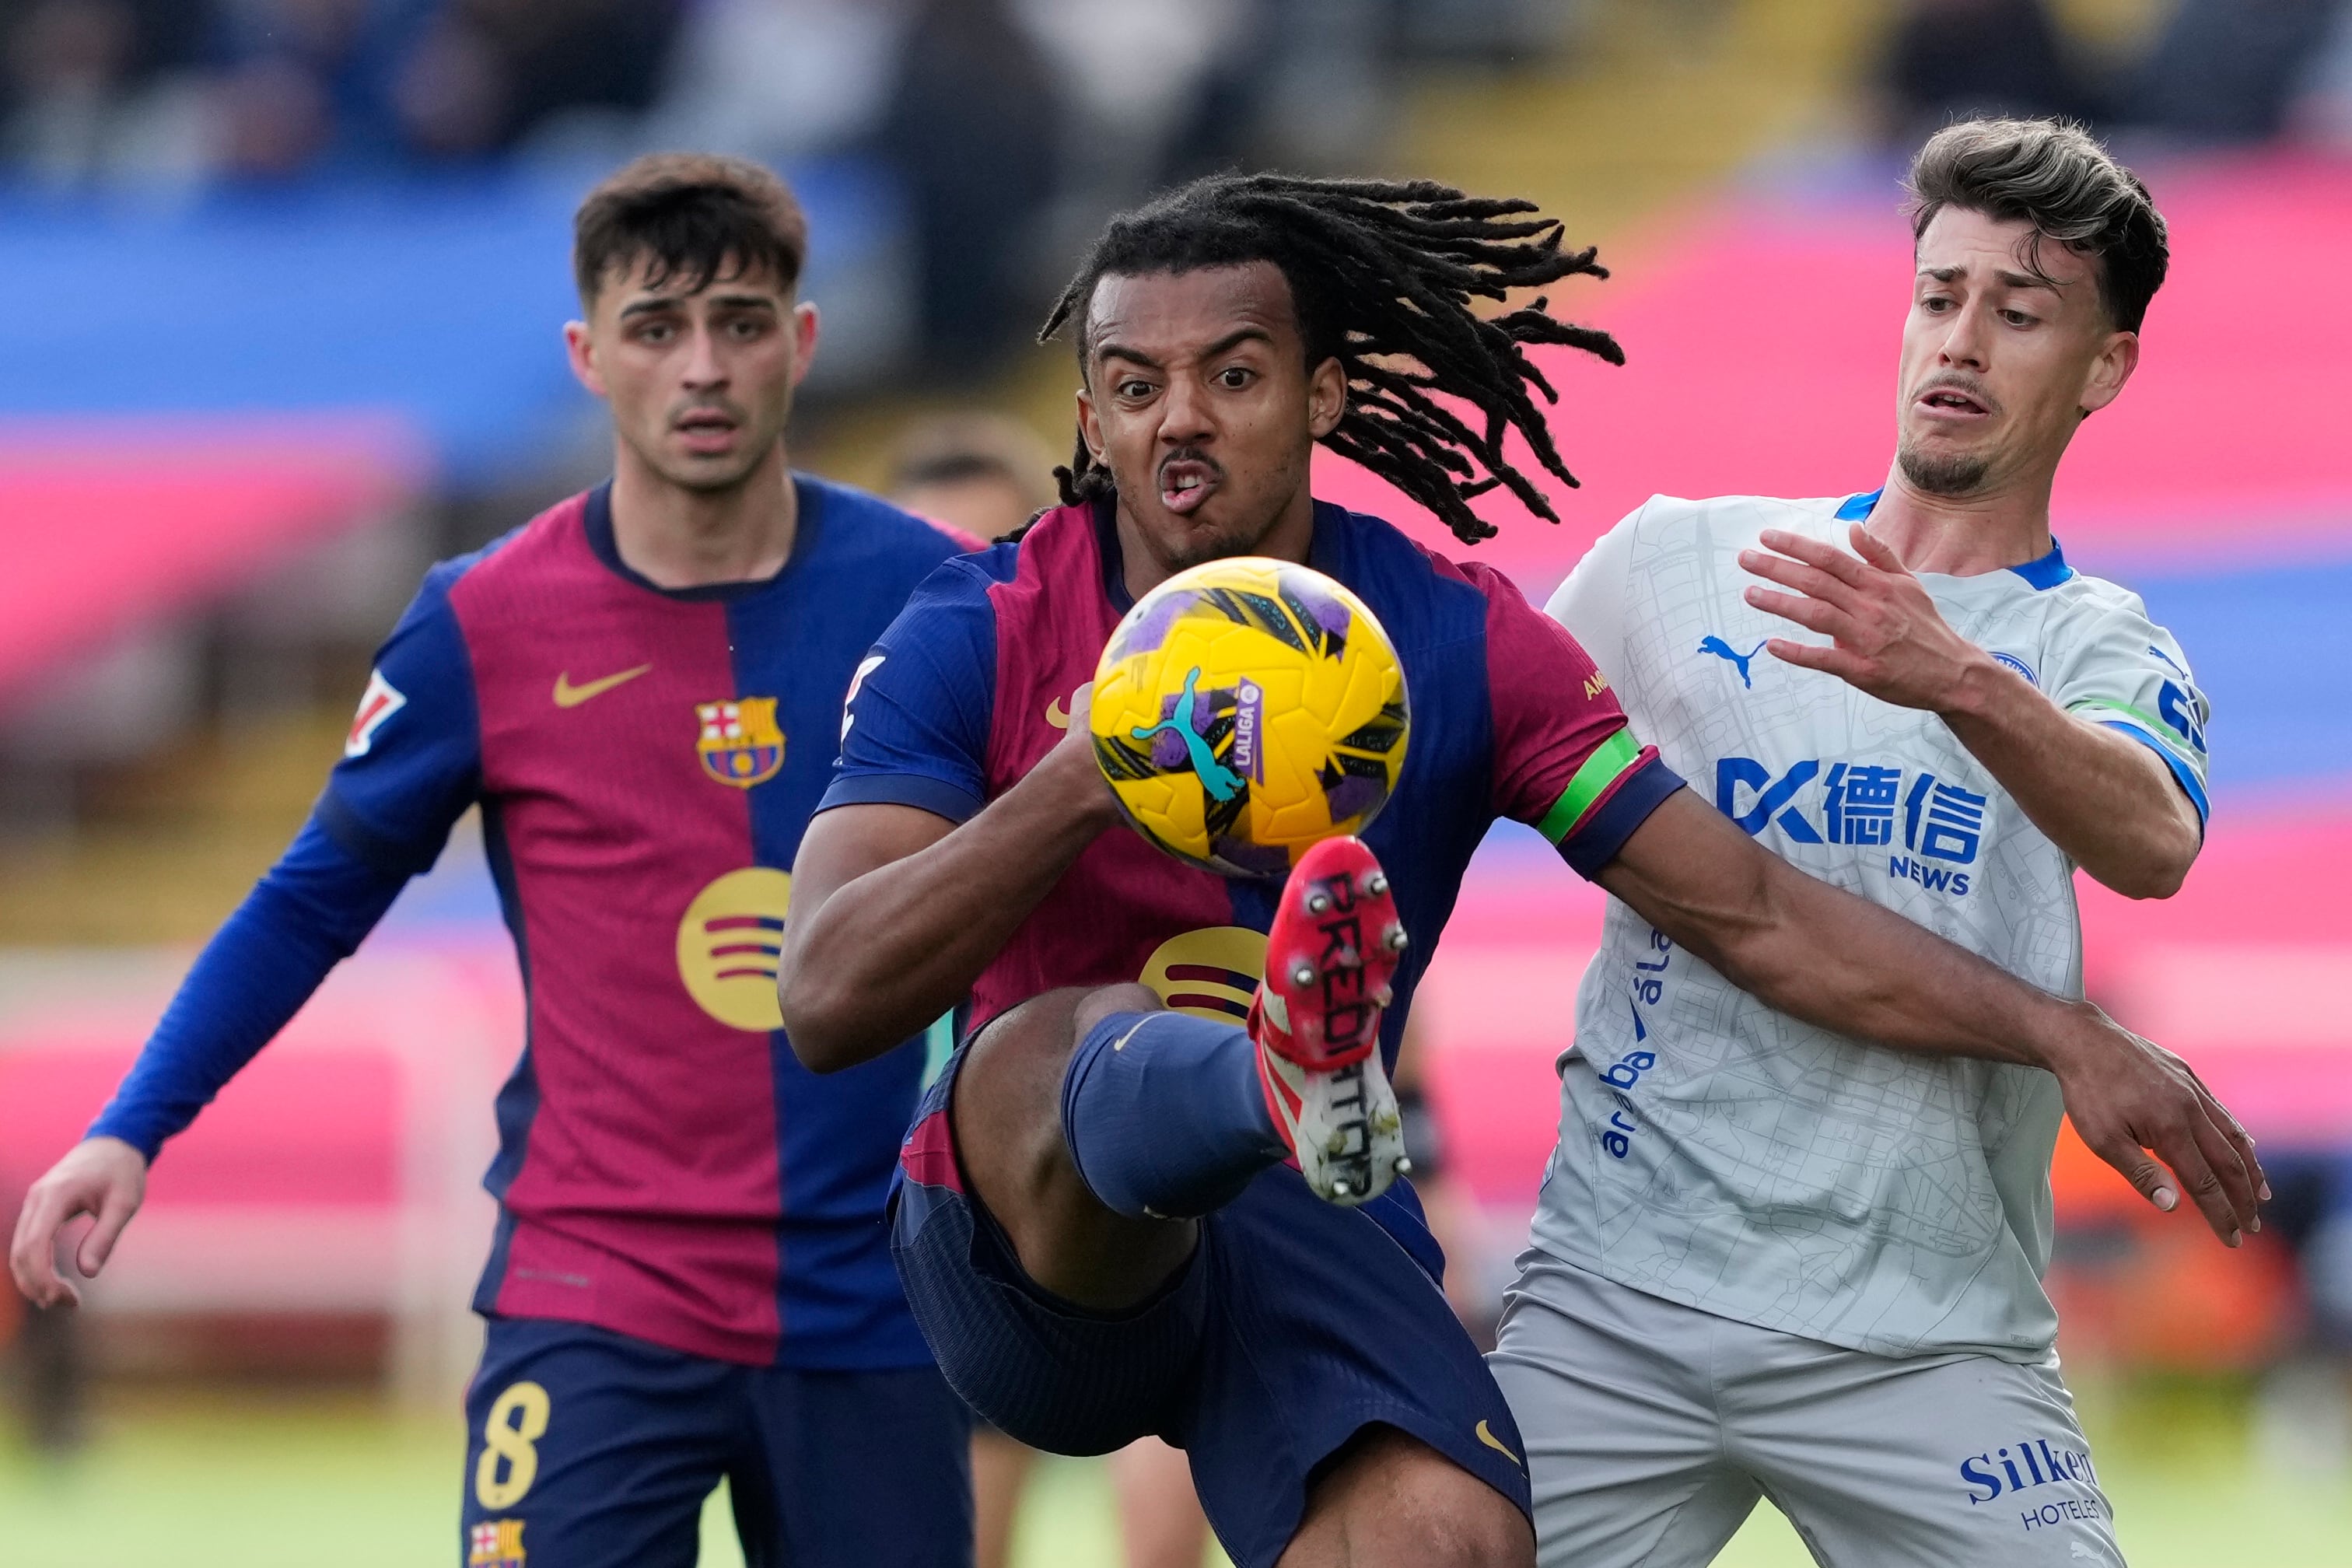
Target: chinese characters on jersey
(1871,805)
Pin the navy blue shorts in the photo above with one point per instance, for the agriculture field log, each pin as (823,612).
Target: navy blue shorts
(1295,1326)
(589,1448)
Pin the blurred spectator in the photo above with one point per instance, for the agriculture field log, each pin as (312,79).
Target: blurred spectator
(779,79)
(1004,103)
(1135,72)
(1949,60)
(1313,90)
(451,94)
(486,72)
(55,1390)
(1505,32)
(42,1355)
(2228,70)
(979,472)
(974,130)
(90,89)
(1011,125)
(106,89)
(300,81)
(2305,1417)
(2323,110)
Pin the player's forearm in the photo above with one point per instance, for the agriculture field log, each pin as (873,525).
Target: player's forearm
(893,949)
(2104,799)
(1838,960)
(1820,954)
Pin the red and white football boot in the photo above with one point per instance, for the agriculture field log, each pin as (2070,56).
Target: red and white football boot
(1334,947)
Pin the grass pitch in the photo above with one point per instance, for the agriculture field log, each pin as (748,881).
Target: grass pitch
(265,1479)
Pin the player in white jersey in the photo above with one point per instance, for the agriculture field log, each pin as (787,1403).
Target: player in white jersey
(1772,1261)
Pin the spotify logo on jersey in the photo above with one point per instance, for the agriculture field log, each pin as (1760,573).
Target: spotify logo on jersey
(1211,973)
(728,943)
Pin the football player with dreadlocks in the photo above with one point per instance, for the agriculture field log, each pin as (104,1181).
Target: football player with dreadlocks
(1108,1220)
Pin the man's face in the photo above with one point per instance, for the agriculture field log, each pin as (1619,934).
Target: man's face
(1199,401)
(1999,365)
(700,382)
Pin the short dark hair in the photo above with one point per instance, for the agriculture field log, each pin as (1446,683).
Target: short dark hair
(951,449)
(2052,174)
(694,213)
(1381,275)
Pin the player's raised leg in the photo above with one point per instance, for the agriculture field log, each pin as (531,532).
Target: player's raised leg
(1164,1116)
(1099,1327)
(1059,1273)
(1158,1109)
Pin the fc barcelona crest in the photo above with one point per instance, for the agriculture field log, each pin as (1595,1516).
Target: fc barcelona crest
(497,1543)
(740,744)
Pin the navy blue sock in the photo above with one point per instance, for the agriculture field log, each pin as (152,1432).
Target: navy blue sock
(1164,1114)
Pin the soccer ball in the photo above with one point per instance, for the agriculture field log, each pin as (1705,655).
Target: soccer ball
(1246,709)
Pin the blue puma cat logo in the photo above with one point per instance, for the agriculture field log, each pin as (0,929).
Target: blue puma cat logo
(1722,650)
(1220,781)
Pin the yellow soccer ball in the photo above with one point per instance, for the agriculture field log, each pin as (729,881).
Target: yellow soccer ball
(1246,709)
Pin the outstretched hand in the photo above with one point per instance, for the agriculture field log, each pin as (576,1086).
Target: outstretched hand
(1890,640)
(104,1178)
(2128,1096)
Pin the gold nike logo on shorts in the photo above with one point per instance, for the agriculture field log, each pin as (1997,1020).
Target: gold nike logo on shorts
(570,696)
(1488,1438)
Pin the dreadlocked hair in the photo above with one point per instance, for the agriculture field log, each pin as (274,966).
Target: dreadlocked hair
(1382,274)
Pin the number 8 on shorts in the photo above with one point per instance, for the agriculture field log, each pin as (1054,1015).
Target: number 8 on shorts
(517,1420)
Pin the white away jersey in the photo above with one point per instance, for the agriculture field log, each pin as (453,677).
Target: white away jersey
(1716,1152)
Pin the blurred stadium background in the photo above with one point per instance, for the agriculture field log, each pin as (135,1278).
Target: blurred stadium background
(288,278)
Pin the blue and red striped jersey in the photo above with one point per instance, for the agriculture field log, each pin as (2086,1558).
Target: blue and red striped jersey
(647,760)
(971,685)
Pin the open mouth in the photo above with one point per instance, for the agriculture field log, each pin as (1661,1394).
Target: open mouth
(1951,403)
(1185,484)
(706,430)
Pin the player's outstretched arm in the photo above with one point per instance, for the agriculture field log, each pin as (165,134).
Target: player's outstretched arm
(896,911)
(1823,955)
(2106,800)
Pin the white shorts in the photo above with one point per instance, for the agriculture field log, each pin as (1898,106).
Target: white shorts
(1651,1429)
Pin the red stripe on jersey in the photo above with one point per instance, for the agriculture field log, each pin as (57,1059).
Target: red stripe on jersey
(650,1188)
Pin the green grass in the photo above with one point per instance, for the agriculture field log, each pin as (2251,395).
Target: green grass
(260,1479)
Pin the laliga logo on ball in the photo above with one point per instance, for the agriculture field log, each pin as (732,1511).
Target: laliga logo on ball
(1247,710)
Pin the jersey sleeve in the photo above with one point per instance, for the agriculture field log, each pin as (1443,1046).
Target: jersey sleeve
(2129,674)
(915,725)
(306,915)
(1591,603)
(1566,760)
(412,760)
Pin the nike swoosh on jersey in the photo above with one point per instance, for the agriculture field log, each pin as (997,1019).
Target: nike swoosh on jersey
(1057,713)
(1496,1443)
(570,696)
